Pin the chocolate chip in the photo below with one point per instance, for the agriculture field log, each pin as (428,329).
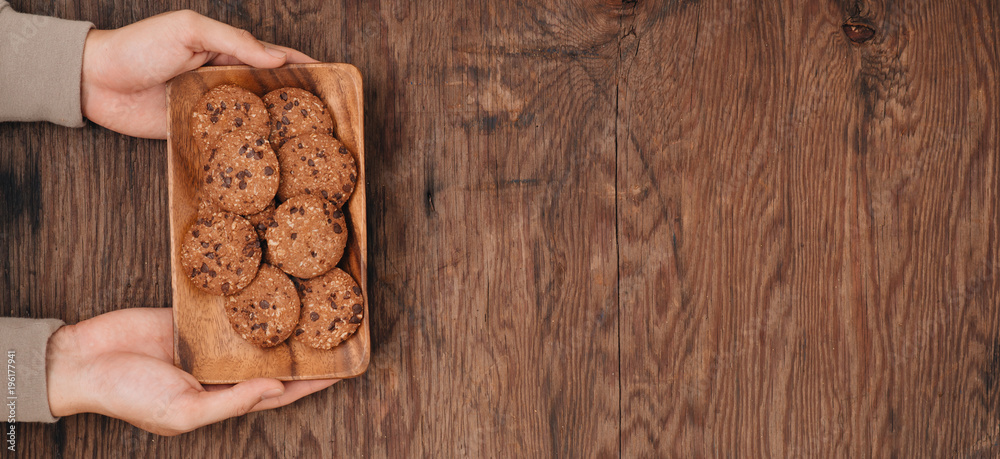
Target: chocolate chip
(284,119)
(246,106)
(243,184)
(254,327)
(210,255)
(347,188)
(302,158)
(288,106)
(293,210)
(337,197)
(302,211)
(238,122)
(277,125)
(352,178)
(273,224)
(208,179)
(300,145)
(222,105)
(296,102)
(304,112)
(337,214)
(204,267)
(355,320)
(313,316)
(268,170)
(356,289)
(196,233)
(357,308)
(343,150)
(328,221)
(204,245)
(313,253)
(242,151)
(274,307)
(308,191)
(207,168)
(274,339)
(214,119)
(250,249)
(293,236)
(284,96)
(299,332)
(337,229)
(225,287)
(229,170)
(263,326)
(227,181)
(239,271)
(325,195)
(259,142)
(213,273)
(217,247)
(311,163)
(209,106)
(315,171)
(270,106)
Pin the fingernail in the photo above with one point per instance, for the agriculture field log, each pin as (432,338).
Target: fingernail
(275,52)
(271,394)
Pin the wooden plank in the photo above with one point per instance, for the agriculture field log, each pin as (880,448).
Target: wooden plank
(808,230)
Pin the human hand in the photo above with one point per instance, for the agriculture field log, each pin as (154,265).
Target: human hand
(125,70)
(120,364)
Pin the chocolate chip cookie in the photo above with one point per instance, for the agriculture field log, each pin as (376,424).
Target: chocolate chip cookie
(317,164)
(242,173)
(224,109)
(220,253)
(309,236)
(267,310)
(296,112)
(332,309)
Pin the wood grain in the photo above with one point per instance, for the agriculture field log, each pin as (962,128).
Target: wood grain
(205,345)
(808,230)
(710,228)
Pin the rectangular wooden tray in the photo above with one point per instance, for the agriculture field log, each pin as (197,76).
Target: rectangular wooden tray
(205,345)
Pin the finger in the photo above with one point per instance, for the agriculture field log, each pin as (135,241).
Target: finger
(216,387)
(213,406)
(292,56)
(210,35)
(295,390)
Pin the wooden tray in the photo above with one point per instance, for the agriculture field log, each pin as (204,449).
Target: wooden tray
(205,345)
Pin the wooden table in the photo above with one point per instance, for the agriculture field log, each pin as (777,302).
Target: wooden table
(649,228)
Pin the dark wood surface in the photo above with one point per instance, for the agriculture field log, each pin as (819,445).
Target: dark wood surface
(675,228)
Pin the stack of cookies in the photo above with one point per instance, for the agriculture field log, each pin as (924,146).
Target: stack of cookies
(271,230)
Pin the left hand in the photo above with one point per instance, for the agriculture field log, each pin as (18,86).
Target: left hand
(123,85)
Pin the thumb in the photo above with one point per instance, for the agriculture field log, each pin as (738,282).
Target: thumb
(215,406)
(207,34)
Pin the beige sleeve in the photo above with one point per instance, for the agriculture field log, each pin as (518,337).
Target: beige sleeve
(40,62)
(23,343)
